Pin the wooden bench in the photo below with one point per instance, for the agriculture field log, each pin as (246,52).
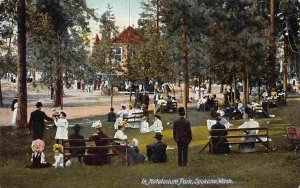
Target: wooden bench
(114,148)
(164,107)
(134,117)
(260,112)
(293,136)
(236,139)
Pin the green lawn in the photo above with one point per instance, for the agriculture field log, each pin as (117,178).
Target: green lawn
(279,168)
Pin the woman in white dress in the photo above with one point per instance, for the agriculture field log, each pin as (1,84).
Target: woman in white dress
(144,126)
(14,116)
(157,125)
(62,127)
(121,114)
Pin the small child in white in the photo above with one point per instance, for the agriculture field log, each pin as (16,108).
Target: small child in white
(58,156)
(62,127)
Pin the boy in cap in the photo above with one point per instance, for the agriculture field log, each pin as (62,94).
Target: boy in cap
(182,135)
(36,122)
(156,152)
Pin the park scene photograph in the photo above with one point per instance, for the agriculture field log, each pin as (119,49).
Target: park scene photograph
(149,93)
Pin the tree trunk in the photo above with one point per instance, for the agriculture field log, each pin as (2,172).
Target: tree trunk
(199,85)
(21,65)
(112,96)
(209,86)
(186,63)
(245,90)
(1,102)
(248,87)
(33,79)
(234,89)
(67,80)
(222,86)
(272,47)
(259,93)
(285,63)
(58,87)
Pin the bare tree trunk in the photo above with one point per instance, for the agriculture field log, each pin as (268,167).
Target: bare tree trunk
(33,79)
(21,66)
(112,96)
(58,87)
(186,63)
(248,87)
(272,46)
(285,64)
(209,85)
(66,79)
(222,86)
(199,85)
(245,90)
(1,102)
(258,93)
(234,88)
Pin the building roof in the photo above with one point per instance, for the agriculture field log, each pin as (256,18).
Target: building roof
(129,36)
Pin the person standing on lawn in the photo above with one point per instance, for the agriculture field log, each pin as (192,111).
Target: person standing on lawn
(36,122)
(182,135)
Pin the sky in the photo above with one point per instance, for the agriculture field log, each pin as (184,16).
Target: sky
(121,10)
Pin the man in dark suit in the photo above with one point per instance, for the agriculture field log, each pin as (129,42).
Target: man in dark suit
(146,99)
(76,135)
(156,152)
(219,144)
(182,135)
(36,122)
(111,116)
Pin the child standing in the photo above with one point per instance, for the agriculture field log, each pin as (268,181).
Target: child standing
(62,127)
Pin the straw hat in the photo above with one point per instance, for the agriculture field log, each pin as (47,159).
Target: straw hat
(97,124)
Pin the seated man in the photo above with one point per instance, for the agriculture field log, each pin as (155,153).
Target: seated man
(201,103)
(249,147)
(111,116)
(76,135)
(159,103)
(156,152)
(219,144)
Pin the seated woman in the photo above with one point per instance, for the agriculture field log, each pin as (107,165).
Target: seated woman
(111,116)
(249,147)
(157,125)
(144,125)
(133,156)
(122,113)
(101,157)
(219,144)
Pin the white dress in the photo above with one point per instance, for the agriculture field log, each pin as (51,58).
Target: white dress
(119,119)
(120,135)
(59,161)
(144,127)
(62,129)
(157,126)
(14,116)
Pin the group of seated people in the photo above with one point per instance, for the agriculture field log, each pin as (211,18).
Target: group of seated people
(207,103)
(133,115)
(164,101)
(156,152)
(220,144)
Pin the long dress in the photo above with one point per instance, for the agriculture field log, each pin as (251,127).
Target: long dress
(14,116)
(249,147)
(144,127)
(157,126)
(119,119)
(62,129)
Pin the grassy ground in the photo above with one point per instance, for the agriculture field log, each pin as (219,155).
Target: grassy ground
(279,168)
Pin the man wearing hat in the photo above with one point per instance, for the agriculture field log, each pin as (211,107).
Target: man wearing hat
(157,125)
(182,135)
(156,152)
(76,135)
(37,123)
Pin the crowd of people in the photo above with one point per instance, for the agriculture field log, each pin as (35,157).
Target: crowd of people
(156,152)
